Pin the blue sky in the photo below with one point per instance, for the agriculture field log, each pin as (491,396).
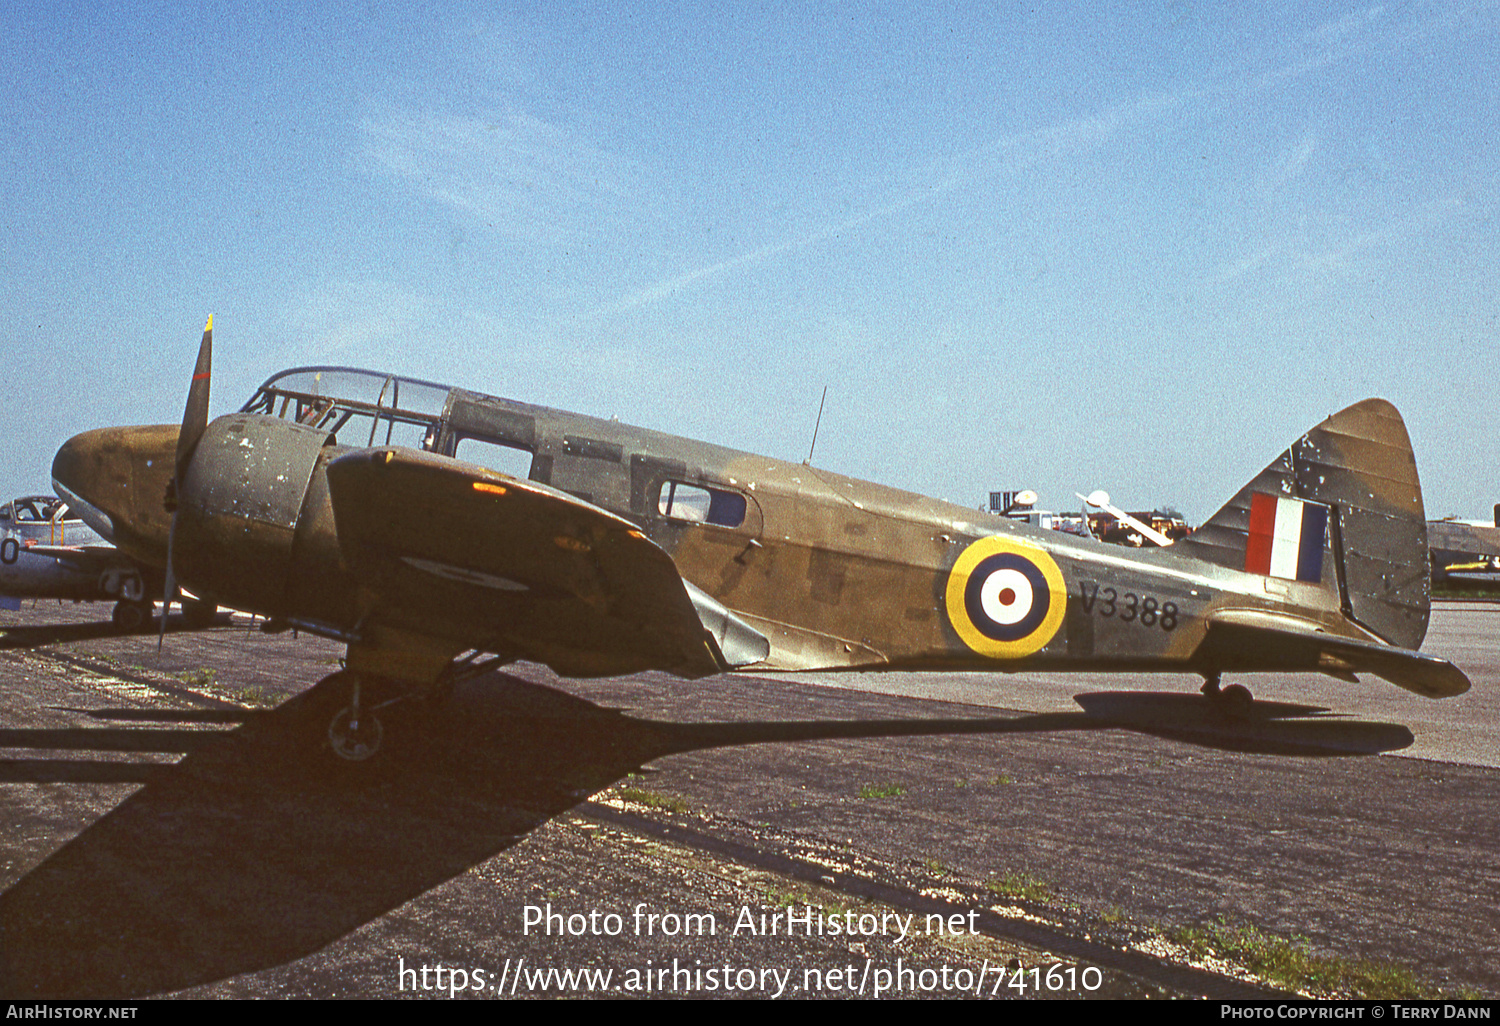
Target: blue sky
(1069,248)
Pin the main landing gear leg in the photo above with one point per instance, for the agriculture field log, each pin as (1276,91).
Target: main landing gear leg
(355,732)
(1235,700)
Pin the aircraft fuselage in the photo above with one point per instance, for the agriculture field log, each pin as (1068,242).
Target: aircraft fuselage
(834,572)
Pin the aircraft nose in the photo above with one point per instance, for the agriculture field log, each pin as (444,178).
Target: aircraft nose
(115,479)
(80,471)
(67,465)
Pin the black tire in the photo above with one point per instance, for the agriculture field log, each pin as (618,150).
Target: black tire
(355,745)
(131,616)
(1236,701)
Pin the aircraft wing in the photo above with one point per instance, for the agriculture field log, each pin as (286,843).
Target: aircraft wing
(516,567)
(81,556)
(83,562)
(1293,643)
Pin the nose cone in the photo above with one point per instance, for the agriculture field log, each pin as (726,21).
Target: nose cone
(115,478)
(84,475)
(72,468)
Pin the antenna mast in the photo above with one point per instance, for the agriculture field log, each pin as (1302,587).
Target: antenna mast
(810,448)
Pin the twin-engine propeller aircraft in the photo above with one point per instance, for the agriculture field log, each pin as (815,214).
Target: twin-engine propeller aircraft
(608,549)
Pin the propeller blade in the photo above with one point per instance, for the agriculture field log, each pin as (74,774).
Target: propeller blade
(195,414)
(194,423)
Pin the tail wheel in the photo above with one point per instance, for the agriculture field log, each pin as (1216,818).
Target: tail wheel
(1236,701)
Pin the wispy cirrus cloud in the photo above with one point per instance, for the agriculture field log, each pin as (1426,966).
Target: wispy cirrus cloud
(531,179)
(1008,154)
(1341,256)
(1327,44)
(1294,162)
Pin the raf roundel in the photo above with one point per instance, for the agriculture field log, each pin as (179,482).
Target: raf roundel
(1005,600)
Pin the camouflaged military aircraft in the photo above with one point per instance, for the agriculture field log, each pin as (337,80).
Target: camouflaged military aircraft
(608,549)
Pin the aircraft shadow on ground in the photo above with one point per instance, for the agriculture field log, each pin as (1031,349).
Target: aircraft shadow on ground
(259,847)
(61,633)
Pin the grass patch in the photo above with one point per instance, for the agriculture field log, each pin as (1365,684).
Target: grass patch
(257,698)
(652,799)
(203,677)
(1023,886)
(1293,964)
(1487,590)
(882,790)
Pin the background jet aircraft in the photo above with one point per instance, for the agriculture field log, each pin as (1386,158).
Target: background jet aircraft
(610,549)
(47,553)
(1465,552)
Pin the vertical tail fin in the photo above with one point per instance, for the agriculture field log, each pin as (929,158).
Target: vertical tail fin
(1356,472)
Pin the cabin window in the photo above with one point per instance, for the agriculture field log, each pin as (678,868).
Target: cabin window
(507,459)
(695,504)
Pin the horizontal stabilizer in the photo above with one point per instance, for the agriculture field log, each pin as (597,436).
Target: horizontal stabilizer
(1269,641)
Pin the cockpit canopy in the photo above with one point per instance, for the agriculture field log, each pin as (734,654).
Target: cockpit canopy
(361,408)
(33,509)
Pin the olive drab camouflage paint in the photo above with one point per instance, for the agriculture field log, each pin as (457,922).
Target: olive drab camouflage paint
(416,522)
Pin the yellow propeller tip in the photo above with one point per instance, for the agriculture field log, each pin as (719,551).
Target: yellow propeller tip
(210,325)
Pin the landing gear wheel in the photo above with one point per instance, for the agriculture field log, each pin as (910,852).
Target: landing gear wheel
(355,735)
(1236,701)
(131,616)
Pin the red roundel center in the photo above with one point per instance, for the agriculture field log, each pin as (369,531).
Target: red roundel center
(1007,596)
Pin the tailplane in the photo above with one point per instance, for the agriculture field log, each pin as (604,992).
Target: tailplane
(1341,508)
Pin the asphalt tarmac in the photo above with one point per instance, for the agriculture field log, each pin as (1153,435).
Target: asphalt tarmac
(175,824)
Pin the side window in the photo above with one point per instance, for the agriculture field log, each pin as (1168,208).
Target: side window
(507,459)
(694,504)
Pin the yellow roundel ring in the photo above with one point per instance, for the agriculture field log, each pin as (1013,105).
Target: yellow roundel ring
(1004,599)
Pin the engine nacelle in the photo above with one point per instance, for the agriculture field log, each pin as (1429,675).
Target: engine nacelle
(240,504)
